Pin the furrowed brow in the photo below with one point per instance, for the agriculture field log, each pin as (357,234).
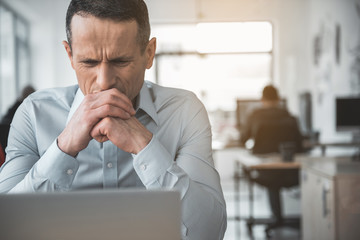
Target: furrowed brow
(121,59)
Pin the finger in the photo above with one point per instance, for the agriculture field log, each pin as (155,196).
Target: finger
(101,138)
(98,136)
(111,97)
(99,132)
(110,111)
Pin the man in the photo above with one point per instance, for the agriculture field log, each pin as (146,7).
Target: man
(284,131)
(270,112)
(114,130)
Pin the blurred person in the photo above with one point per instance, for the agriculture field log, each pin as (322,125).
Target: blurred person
(11,111)
(113,129)
(273,114)
(2,155)
(270,110)
(6,120)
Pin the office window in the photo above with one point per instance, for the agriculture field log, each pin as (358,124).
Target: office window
(220,62)
(14,57)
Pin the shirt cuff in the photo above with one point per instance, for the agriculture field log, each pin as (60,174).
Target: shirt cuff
(59,167)
(152,162)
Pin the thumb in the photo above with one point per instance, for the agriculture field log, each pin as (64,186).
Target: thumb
(98,133)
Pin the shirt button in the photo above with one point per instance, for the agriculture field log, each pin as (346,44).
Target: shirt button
(143,167)
(69,172)
(109,165)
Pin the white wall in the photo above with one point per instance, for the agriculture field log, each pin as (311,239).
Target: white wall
(50,65)
(328,78)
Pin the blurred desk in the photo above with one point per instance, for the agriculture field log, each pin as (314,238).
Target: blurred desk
(265,161)
(325,145)
(249,166)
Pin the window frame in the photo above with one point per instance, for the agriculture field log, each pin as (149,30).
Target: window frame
(18,42)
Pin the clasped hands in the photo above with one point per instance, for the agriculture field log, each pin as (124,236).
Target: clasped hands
(103,116)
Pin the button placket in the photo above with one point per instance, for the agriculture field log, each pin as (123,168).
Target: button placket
(110,175)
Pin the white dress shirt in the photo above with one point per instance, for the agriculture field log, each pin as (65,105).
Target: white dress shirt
(179,156)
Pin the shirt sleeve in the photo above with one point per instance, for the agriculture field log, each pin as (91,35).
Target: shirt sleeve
(24,170)
(192,173)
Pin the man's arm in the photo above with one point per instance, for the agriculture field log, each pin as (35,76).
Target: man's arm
(24,169)
(28,168)
(191,172)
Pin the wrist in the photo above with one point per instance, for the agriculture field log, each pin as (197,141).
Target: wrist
(143,142)
(65,149)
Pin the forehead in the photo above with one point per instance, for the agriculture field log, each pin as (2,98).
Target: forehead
(90,30)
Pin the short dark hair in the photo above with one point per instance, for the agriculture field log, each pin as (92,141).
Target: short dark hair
(270,93)
(117,10)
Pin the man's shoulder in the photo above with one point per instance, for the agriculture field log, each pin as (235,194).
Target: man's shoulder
(62,95)
(162,95)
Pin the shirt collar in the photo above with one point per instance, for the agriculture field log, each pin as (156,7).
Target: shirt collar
(144,101)
(79,97)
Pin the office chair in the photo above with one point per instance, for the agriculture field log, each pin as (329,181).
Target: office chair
(270,135)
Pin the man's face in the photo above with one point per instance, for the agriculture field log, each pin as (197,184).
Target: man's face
(105,54)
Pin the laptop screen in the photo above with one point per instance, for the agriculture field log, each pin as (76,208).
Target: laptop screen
(121,214)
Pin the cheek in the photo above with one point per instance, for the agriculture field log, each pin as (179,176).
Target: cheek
(129,79)
(137,83)
(85,80)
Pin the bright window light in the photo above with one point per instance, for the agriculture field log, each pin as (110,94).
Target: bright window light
(219,62)
(234,37)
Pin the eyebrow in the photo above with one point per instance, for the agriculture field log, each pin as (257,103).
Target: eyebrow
(121,59)
(115,59)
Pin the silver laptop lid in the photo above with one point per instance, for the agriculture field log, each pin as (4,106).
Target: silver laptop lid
(98,215)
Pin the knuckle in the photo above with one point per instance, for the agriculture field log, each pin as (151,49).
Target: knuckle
(112,97)
(114,91)
(88,98)
(88,101)
(107,108)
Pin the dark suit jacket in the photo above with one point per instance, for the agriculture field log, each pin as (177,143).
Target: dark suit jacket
(270,127)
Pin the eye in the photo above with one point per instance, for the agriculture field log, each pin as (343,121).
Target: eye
(119,62)
(90,62)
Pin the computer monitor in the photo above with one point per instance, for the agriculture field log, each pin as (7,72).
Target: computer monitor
(348,114)
(245,106)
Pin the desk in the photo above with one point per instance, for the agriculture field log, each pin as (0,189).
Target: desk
(330,190)
(325,145)
(269,165)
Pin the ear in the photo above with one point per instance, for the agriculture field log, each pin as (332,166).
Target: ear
(150,52)
(69,52)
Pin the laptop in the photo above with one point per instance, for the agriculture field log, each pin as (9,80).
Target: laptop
(97,215)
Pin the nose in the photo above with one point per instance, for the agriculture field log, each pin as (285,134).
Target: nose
(106,78)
